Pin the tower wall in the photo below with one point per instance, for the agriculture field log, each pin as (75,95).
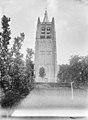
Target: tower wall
(45,51)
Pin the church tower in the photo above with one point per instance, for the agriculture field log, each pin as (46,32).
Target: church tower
(45,50)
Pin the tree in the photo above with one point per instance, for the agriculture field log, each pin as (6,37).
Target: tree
(84,71)
(4,53)
(13,77)
(42,72)
(75,72)
(29,67)
(4,50)
(18,85)
(63,73)
(18,69)
(74,59)
(29,62)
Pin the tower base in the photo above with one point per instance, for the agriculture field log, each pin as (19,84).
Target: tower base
(45,80)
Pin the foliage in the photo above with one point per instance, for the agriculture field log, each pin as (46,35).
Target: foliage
(74,59)
(63,74)
(76,71)
(4,43)
(7,83)
(42,72)
(10,99)
(17,62)
(4,54)
(29,72)
(14,79)
(29,63)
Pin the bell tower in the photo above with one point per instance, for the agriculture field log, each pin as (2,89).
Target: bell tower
(45,50)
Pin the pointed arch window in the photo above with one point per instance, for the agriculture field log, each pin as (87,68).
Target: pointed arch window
(42,30)
(48,29)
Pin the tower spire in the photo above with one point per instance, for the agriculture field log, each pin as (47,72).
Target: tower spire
(45,16)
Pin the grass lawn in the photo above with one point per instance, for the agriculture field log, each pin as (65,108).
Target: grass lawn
(53,98)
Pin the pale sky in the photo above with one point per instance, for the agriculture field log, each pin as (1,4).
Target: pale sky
(71,22)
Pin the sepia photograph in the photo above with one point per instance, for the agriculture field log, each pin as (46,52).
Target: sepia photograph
(44,59)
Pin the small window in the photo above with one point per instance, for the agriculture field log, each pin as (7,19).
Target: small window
(49,36)
(42,36)
(43,29)
(48,29)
